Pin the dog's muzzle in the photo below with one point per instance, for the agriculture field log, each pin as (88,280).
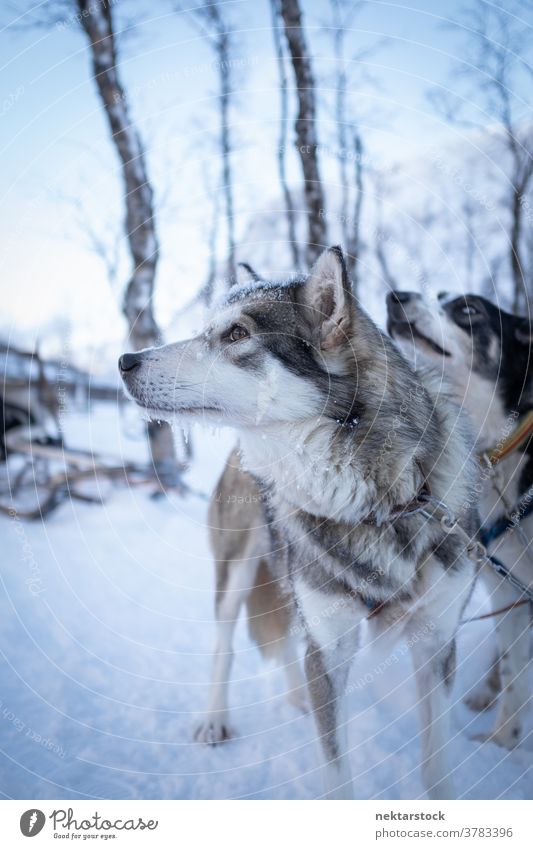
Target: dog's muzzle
(129,362)
(398,309)
(397,297)
(398,304)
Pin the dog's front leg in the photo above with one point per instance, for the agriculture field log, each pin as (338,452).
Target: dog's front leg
(332,638)
(512,631)
(431,637)
(326,680)
(435,666)
(215,727)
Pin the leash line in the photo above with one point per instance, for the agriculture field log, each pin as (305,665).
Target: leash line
(522,509)
(518,436)
(496,612)
(438,511)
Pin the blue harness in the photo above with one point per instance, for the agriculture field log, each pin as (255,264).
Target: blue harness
(494,530)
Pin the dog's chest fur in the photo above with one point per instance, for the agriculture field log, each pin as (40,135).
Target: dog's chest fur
(321,493)
(306,473)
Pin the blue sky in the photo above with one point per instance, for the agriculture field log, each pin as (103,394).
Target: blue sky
(54,141)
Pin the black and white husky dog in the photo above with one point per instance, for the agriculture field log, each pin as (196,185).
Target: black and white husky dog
(347,438)
(485,355)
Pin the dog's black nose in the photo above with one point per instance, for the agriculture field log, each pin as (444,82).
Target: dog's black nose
(127,362)
(398,297)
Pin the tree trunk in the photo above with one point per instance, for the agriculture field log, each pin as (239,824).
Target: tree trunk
(381,241)
(523,172)
(519,288)
(215,28)
(340,120)
(225,146)
(283,123)
(381,255)
(353,232)
(305,127)
(206,292)
(96,19)
(350,223)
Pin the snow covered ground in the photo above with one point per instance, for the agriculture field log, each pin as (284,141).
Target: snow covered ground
(106,630)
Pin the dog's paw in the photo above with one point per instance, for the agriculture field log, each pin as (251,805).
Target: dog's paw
(481,699)
(507,737)
(213,731)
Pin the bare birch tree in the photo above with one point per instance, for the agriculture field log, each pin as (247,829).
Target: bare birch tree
(212,198)
(498,74)
(207,290)
(349,141)
(283,127)
(97,21)
(100,234)
(381,240)
(213,25)
(306,139)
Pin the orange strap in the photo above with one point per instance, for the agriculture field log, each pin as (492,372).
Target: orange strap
(496,612)
(513,441)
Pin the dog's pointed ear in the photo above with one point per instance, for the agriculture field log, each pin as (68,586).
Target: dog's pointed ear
(246,275)
(524,332)
(328,296)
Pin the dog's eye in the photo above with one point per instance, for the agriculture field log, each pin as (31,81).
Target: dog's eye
(468,310)
(237,333)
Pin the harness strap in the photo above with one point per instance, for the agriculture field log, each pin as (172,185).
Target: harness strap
(474,548)
(399,511)
(524,506)
(496,612)
(519,435)
(504,523)
(433,509)
(374,607)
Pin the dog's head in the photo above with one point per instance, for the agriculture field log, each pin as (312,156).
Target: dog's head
(271,353)
(465,336)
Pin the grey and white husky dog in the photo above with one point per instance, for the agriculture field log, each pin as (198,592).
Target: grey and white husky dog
(484,353)
(346,437)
